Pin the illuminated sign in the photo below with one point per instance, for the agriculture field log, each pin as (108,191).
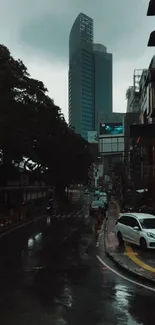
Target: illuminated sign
(111,128)
(92,137)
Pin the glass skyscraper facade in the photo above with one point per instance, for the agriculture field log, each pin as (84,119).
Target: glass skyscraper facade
(90,78)
(81,76)
(103,92)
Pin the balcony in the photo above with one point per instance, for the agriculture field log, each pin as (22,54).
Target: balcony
(142,175)
(143,134)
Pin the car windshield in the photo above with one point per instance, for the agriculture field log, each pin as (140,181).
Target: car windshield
(103,197)
(148,223)
(97,203)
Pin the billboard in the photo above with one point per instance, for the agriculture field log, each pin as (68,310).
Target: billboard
(111,128)
(92,137)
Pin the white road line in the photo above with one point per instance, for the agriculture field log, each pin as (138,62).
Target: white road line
(20,226)
(124,277)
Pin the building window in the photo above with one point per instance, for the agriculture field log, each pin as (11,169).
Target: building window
(106,147)
(114,147)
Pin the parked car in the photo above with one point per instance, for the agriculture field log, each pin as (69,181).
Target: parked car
(94,206)
(103,196)
(97,192)
(136,228)
(97,228)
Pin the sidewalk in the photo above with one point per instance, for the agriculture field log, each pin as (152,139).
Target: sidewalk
(110,239)
(129,258)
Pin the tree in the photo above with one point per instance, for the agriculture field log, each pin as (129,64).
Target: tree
(20,96)
(71,159)
(32,127)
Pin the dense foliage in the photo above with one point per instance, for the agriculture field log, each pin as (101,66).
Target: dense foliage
(32,126)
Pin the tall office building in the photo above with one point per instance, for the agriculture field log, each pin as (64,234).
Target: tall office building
(81,77)
(90,78)
(103,93)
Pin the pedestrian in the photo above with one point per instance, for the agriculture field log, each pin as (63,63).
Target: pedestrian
(106,208)
(101,214)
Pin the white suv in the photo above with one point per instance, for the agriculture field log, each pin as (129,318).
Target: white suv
(136,228)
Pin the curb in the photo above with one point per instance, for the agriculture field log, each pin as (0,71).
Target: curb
(117,206)
(123,267)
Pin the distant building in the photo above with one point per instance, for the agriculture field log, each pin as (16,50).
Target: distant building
(139,129)
(111,149)
(81,76)
(103,94)
(90,78)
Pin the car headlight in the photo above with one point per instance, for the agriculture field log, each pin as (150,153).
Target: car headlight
(149,234)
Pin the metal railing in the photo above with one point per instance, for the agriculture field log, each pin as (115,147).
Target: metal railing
(12,219)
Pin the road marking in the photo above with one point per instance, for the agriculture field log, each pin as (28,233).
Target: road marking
(104,268)
(137,260)
(124,277)
(132,253)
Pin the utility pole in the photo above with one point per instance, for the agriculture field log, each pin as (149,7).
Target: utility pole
(151,12)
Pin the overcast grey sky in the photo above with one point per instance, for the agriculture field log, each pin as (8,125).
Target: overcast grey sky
(37,32)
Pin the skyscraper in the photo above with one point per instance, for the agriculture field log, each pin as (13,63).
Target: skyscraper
(102,84)
(81,76)
(90,78)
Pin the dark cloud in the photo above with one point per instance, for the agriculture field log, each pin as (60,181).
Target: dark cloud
(48,34)
(117,25)
(38,32)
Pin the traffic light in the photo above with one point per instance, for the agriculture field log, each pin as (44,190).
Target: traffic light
(151,12)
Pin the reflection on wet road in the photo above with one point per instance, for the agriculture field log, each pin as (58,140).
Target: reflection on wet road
(41,285)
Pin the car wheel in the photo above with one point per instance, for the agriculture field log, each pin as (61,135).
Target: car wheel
(120,238)
(143,244)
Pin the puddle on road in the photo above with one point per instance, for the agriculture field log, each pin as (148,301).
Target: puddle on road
(46,283)
(121,304)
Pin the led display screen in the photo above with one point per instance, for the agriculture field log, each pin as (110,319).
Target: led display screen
(111,128)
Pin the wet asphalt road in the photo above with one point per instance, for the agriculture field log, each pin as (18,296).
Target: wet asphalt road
(41,283)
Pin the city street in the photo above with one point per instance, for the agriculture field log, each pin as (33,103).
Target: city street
(44,279)
(77,160)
